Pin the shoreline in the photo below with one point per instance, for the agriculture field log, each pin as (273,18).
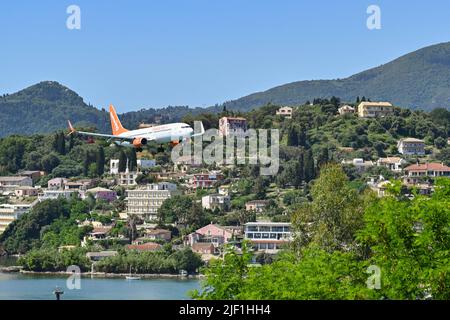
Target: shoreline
(16,269)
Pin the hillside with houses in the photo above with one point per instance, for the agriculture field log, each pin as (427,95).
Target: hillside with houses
(106,208)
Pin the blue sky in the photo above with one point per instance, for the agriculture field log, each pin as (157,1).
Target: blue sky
(139,54)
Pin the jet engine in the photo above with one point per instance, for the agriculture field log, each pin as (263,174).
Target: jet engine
(139,142)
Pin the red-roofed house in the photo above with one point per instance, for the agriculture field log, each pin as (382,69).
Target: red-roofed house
(427,170)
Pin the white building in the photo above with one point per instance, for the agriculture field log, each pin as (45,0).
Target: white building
(375,109)
(346,109)
(285,112)
(214,201)
(392,163)
(268,236)
(11,212)
(146,200)
(127,178)
(16,181)
(142,164)
(411,146)
(50,194)
(360,164)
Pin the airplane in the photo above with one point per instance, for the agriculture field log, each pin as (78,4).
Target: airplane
(172,133)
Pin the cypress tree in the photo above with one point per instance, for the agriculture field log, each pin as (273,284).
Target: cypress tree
(300,176)
(309,167)
(122,161)
(133,160)
(100,161)
(86,163)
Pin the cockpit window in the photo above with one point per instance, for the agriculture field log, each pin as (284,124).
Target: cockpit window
(185,127)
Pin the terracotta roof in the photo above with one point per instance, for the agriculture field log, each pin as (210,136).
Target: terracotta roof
(149,246)
(428,167)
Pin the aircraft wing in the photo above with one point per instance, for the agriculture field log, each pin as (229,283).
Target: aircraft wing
(93,134)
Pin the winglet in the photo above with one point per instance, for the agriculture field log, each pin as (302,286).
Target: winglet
(202,131)
(71,128)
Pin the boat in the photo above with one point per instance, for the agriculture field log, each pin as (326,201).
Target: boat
(132,277)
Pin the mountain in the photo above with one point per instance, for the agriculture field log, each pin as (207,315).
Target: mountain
(419,80)
(45,107)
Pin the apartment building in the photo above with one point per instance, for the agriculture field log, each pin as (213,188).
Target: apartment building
(411,146)
(145,201)
(216,201)
(11,212)
(232,126)
(51,194)
(127,178)
(268,236)
(374,109)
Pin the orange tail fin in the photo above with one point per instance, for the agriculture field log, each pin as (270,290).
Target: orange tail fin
(116,126)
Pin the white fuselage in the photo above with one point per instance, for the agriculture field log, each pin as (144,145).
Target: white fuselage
(162,134)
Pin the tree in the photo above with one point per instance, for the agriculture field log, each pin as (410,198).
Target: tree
(309,166)
(292,136)
(100,161)
(322,157)
(182,210)
(335,214)
(132,160)
(409,241)
(440,142)
(49,162)
(122,161)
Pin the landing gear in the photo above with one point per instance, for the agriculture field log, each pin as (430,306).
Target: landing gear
(160,149)
(139,149)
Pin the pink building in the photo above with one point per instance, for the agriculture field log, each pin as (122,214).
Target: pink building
(206,180)
(103,193)
(211,233)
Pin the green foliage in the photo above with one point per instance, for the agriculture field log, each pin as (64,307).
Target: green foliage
(410,240)
(25,233)
(335,214)
(161,261)
(54,260)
